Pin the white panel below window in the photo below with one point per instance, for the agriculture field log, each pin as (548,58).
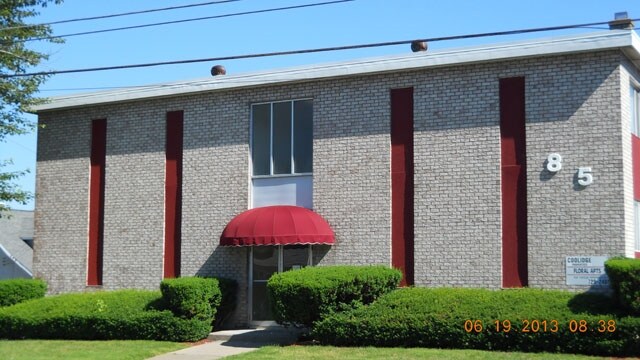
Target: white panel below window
(290,190)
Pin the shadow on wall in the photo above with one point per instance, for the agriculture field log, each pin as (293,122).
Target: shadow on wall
(229,263)
(226,261)
(445,98)
(319,253)
(473,100)
(232,263)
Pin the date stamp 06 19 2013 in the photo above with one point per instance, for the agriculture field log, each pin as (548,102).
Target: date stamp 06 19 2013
(540,326)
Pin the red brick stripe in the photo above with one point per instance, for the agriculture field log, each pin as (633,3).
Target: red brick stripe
(173,194)
(96,201)
(514,182)
(402,224)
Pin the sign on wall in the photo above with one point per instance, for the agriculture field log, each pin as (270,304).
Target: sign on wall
(586,271)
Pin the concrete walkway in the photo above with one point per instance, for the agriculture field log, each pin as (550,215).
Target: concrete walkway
(231,342)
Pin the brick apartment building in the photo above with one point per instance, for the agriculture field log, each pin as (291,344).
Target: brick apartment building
(485,166)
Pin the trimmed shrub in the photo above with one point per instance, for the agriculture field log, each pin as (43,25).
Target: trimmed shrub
(301,297)
(537,320)
(192,297)
(228,290)
(15,291)
(123,314)
(624,277)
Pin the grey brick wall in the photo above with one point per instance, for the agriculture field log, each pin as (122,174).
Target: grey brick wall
(457,177)
(573,108)
(61,215)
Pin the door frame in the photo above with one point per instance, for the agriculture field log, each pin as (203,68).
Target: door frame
(280,249)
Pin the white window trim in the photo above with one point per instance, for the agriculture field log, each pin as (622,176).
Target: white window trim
(632,101)
(281,176)
(252,176)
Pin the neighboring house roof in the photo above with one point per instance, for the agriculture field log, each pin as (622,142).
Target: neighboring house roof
(14,230)
(10,267)
(625,40)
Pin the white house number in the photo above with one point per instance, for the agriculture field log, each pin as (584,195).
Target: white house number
(554,164)
(584,176)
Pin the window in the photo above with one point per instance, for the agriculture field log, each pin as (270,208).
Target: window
(634,95)
(282,153)
(282,138)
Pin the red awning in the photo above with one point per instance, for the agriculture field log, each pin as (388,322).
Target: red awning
(277,225)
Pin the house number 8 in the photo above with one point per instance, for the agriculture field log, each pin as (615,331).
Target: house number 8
(554,162)
(584,176)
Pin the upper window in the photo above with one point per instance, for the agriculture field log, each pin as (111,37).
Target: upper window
(635,110)
(282,138)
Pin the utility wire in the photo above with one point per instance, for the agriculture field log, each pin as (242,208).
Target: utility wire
(307,51)
(185,20)
(14,55)
(22,146)
(118,15)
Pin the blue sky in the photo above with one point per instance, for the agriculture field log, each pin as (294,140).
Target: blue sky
(355,22)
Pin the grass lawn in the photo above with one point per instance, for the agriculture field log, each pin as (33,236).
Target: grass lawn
(73,349)
(340,353)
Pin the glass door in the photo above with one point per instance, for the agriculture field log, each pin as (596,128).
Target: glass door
(266,261)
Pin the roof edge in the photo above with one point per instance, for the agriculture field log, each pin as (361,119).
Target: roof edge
(626,40)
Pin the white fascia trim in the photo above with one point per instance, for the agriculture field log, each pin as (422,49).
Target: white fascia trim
(15,261)
(625,40)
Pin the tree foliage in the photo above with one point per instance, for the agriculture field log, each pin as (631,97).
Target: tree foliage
(16,93)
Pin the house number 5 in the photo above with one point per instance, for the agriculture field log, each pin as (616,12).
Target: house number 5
(584,176)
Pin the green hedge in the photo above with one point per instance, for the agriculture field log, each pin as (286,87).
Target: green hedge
(124,314)
(418,317)
(301,297)
(624,276)
(18,290)
(192,297)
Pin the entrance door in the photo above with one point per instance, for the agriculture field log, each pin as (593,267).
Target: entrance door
(266,261)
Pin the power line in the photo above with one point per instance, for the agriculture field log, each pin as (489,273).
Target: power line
(14,55)
(118,15)
(307,51)
(22,146)
(154,86)
(185,20)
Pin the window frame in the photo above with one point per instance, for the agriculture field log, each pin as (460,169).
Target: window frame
(271,160)
(280,255)
(634,99)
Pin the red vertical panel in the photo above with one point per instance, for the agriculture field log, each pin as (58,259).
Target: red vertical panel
(635,155)
(635,158)
(96,201)
(514,182)
(173,194)
(402,183)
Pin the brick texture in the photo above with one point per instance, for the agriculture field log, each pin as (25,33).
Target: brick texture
(573,107)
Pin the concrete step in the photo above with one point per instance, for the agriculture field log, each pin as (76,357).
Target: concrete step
(263,335)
